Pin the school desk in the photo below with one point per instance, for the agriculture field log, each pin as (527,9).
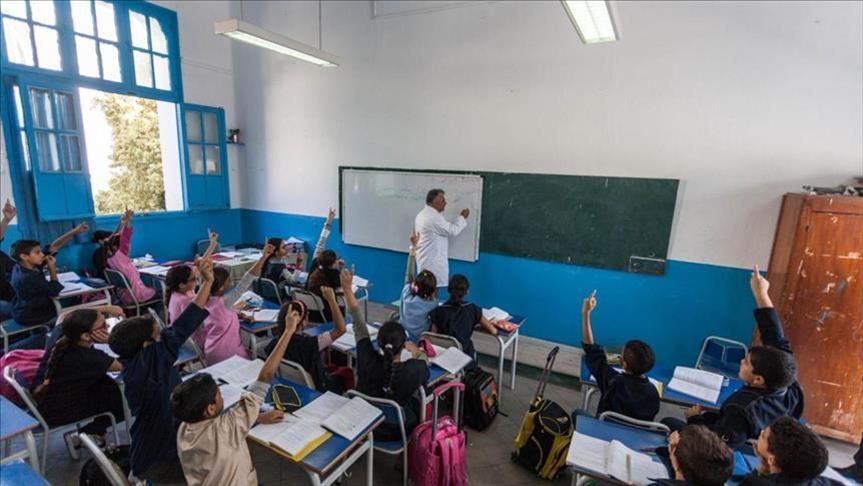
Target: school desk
(663,374)
(504,340)
(19,473)
(97,286)
(15,422)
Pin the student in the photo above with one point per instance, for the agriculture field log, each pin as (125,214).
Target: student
(307,350)
(789,454)
(212,444)
(770,375)
(629,393)
(279,272)
(180,282)
(7,292)
(147,355)
(698,458)
(76,385)
(386,375)
(854,471)
(458,317)
(116,249)
(325,273)
(222,327)
(418,296)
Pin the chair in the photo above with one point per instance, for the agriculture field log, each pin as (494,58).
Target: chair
(291,370)
(631,422)
(721,355)
(10,375)
(269,290)
(112,471)
(202,245)
(313,302)
(442,340)
(393,414)
(9,328)
(118,280)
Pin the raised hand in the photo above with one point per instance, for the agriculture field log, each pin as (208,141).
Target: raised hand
(82,228)
(589,303)
(268,251)
(328,293)
(757,283)
(51,262)
(205,268)
(331,214)
(9,211)
(127,216)
(213,237)
(292,319)
(346,278)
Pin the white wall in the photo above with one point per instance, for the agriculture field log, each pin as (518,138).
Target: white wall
(740,101)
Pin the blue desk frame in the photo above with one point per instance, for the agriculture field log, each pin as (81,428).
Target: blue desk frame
(15,422)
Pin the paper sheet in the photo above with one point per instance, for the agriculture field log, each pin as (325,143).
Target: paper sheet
(155,270)
(229,254)
(68,277)
(322,407)
(71,287)
(266,315)
(452,360)
(352,418)
(495,314)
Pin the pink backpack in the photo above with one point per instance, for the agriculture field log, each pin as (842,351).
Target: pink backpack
(26,364)
(437,450)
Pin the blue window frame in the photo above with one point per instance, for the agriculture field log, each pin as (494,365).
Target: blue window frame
(204,160)
(31,37)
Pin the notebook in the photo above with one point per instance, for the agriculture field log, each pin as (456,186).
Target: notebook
(452,360)
(613,459)
(265,315)
(700,384)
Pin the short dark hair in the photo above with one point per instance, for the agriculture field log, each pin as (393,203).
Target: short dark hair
(220,276)
(425,284)
(129,335)
(23,247)
(434,193)
(800,453)
(703,457)
(100,235)
(639,357)
(458,287)
(327,259)
(191,397)
(777,367)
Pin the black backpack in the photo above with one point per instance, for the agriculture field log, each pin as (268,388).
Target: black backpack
(92,475)
(481,401)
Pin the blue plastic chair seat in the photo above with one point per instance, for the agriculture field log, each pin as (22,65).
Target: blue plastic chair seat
(390,445)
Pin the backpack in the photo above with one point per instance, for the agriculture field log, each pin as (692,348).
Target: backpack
(92,475)
(437,452)
(26,364)
(481,403)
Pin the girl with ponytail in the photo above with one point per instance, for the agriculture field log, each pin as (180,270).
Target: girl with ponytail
(76,385)
(419,296)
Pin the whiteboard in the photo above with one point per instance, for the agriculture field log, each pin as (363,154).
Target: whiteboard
(379,207)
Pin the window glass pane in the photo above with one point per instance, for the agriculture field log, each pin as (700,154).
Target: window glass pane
(47,48)
(196,159)
(18,47)
(213,165)
(193,126)
(138,23)
(46,147)
(162,72)
(26,149)
(88,63)
(16,8)
(110,61)
(211,128)
(143,75)
(66,113)
(105,21)
(40,105)
(71,152)
(82,17)
(19,106)
(43,12)
(157,37)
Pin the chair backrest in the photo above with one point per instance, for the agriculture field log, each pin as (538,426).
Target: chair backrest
(631,422)
(269,290)
(202,245)
(157,318)
(291,370)
(721,355)
(9,374)
(112,471)
(442,340)
(312,301)
(118,280)
(393,412)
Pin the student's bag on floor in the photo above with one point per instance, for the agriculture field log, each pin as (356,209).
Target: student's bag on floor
(546,431)
(437,452)
(91,473)
(480,402)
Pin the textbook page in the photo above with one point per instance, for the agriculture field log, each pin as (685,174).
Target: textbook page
(265,315)
(587,452)
(68,277)
(696,383)
(297,436)
(632,467)
(352,418)
(452,360)
(699,377)
(322,407)
(346,341)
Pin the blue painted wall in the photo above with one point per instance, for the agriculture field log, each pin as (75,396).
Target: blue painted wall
(673,313)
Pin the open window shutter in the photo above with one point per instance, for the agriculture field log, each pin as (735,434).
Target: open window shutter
(205,168)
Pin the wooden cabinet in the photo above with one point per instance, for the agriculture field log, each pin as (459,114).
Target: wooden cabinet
(816,277)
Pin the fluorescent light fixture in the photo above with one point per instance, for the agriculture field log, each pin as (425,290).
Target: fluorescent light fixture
(592,19)
(252,34)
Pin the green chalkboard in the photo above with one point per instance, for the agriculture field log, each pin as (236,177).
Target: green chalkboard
(611,222)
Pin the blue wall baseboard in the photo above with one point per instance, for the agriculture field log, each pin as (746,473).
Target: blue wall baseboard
(673,312)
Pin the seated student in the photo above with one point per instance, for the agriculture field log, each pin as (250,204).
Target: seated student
(386,375)
(211,441)
(7,293)
(147,355)
(629,393)
(789,453)
(180,282)
(854,471)
(458,317)
(325,273)
(33,303)
(698,458)
(770,374)
(280,272)
(222,327)
(418,296)
(307,350)
(115,250)
(76,385)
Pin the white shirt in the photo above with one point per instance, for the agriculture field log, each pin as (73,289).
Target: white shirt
(432,250)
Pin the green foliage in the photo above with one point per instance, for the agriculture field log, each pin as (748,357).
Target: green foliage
(136,156)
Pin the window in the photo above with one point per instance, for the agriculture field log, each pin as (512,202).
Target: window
(149,52)
(206,178)
(30,34)
(96,42)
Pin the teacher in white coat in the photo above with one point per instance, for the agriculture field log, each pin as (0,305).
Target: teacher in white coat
(432,249)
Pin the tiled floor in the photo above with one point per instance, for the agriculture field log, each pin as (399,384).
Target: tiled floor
(488,451)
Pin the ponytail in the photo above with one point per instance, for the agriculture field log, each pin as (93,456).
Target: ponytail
(389,356)
(73,326)
(391,340)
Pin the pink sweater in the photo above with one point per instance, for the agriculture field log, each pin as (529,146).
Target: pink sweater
(121,262)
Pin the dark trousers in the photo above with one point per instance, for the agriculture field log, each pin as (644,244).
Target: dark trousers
(104,396)
(673,423)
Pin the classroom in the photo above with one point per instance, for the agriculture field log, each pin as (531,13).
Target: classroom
(629,218)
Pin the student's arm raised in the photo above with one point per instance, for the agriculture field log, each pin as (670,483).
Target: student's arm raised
(184,325)
(65,237)
(265,254)
(214,242)
(769,325)
(272,364)
(329,294)
(359,321)
(409,270)
(325,234)
(587,307)
(9,213)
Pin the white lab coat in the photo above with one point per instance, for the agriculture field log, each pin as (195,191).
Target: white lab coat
(432,250)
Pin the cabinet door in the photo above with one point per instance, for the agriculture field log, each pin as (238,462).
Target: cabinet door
(825,321)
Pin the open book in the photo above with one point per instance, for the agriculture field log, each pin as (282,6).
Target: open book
(348,340)
(613,459)
(452,360)
(696,383)
(495,314)
(294,436)
(236,370)
(344,416)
